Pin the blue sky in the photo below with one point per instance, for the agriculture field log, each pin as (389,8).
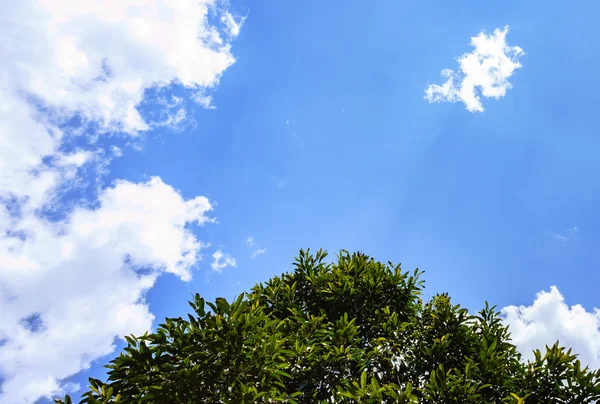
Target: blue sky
(319,136)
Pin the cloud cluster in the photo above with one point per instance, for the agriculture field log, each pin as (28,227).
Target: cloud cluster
(550,319)
(73,272)
(484,71)
(84,280)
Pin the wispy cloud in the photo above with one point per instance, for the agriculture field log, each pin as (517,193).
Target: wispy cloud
(483,72)
(571,234)
(204,99)
(257,251)
(171,119)
(232,24)
(116,151)
(222,260)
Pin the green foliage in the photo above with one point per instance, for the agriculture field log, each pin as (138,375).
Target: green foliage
(353,331)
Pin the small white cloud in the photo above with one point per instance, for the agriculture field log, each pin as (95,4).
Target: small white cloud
(550,319)
(233,27)
(569,235)
(173,119)
(484,71)
(281,184)
(222,260)
(203,99)
(176,100)
(170,102)
(116,151)
(258,252)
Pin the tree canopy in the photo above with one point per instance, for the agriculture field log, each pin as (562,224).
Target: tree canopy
(352,331)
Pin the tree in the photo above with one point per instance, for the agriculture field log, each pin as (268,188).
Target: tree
(353,331)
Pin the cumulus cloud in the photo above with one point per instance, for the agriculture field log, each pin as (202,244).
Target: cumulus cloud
(550,319)
(483,72)
(222,260)
(93,60)
(73,273)
(84,280)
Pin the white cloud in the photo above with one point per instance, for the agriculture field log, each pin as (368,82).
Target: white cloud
(173,119)
(258,252)
(116,151)
(568,235)
(550,319)
(85,273)
(233,26)
(86,278)
(203,99)
(222,260)
(94,60)
(484,71)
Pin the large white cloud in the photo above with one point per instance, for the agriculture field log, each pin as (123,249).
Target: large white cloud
(85,279)
(97,57)
(484,71)
(71,282)
(550,319)
(94,59)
